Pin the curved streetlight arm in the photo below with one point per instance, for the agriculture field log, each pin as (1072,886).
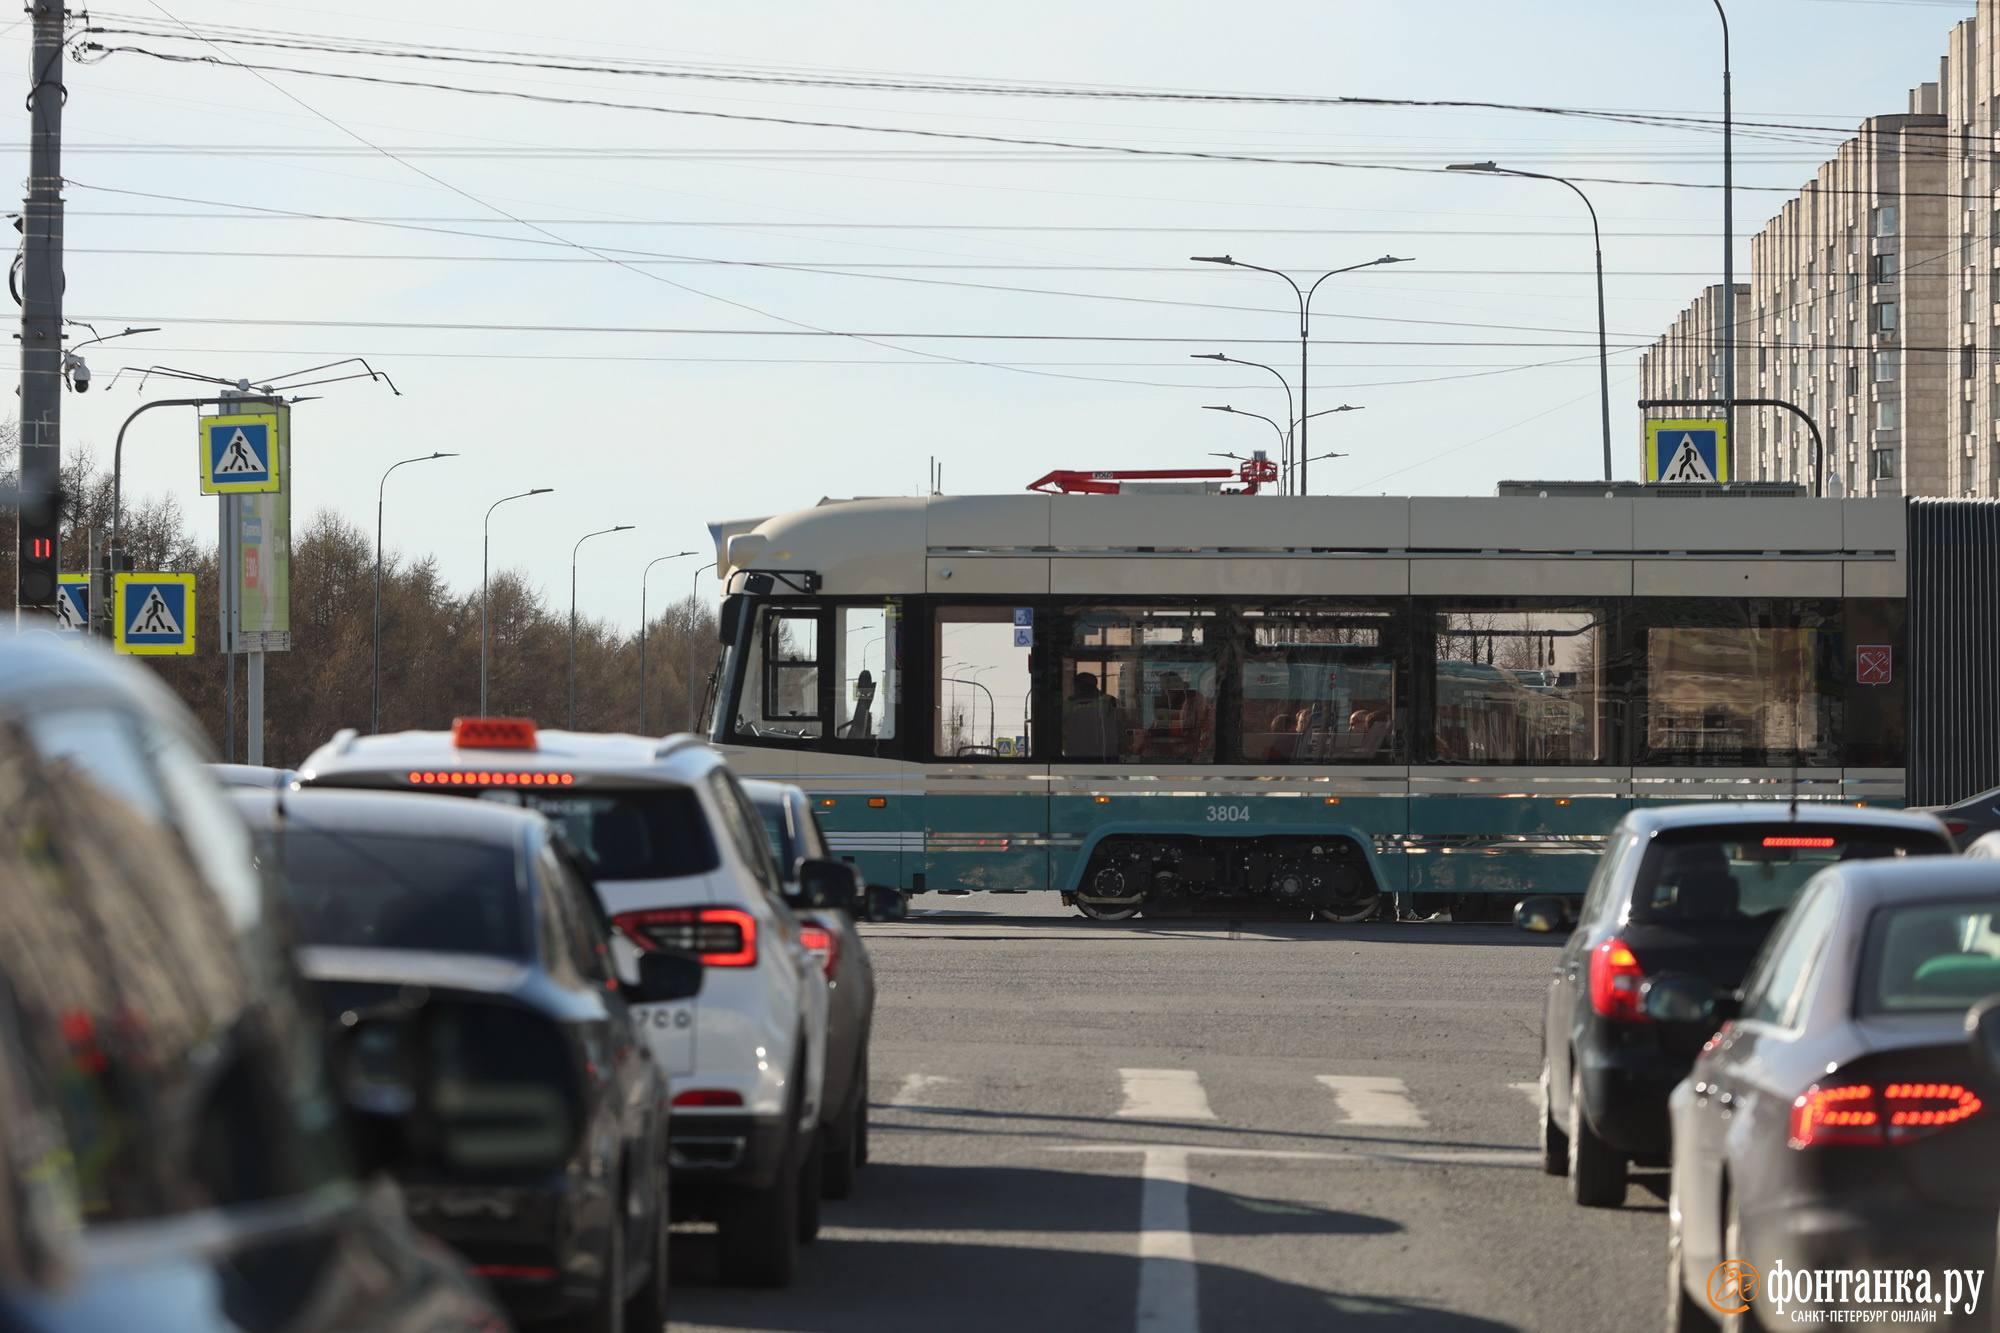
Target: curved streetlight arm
(485,562)
(1283,438)
(118,451)
(1227,359)
(381,491)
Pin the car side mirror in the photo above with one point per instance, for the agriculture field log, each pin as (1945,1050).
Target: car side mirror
(1982,1026)
(1542,914)
(666,976)
(832,884)
(1675,997)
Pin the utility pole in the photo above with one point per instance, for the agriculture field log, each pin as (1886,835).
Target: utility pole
(36,558)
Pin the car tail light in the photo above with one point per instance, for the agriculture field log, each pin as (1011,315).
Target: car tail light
(719,936)
(535,1272)
(1795,841)
(1861,1115)
(1956,827)
(822,944)
(708,1097)
(1615,977)
(493,733)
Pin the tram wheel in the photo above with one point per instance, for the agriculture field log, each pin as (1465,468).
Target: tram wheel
(1123,911)
(1359,909)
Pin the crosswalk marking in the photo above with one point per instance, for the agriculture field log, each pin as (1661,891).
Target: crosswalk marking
(914,1088)
(1370,1099)
(1164,1094)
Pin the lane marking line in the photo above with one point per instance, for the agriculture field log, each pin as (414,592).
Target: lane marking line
(1164,1094)
(1169,1291)
(1368,1099)
(915,1086)
(1168,1296)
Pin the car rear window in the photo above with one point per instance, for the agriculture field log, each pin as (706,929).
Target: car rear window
(1927,957)
(652,833)
(380,891)
(1750,872)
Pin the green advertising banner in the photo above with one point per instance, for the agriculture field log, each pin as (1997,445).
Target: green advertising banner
(264,551)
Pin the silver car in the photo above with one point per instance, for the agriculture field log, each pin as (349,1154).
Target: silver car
(1838,1122)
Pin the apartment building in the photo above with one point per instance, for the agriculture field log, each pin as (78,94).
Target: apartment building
(1852,314)
(1875,300)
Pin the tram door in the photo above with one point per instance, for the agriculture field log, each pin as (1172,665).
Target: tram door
(986,803)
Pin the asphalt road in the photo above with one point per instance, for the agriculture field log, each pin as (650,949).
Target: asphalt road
(1198,1129)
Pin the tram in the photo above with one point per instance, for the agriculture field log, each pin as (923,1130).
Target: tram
(1174,700)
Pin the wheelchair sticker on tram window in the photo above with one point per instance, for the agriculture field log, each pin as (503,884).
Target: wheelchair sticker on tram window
(665,1016)
(1228,814)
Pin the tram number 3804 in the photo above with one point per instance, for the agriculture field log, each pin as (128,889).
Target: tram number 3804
(1229,814)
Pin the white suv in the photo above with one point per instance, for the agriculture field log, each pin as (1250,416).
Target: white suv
(679,860)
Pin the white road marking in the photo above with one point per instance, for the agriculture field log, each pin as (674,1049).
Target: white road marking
(1167,1294)
(1168,1279)
(1369,1099)
(1532,1091)
(1164,1094)
(915,1086)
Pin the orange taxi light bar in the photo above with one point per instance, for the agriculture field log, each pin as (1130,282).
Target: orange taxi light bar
(1798,842)
(466,777)
(493,733)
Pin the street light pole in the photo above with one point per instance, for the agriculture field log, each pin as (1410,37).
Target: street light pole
(485,559)
(692,590)
(622,527)
(1728,236)
(644,625)
(1305,296)
(381,487)
(1282,436)
(1285,436)
(1597,239)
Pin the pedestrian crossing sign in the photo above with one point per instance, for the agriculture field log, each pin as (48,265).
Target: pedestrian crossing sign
(238,454)
(73,605)
(153,614)
(1687,451)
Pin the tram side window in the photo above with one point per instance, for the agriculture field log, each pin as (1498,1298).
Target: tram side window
(983,686)
(867,687)
(1742,694)
(780,698)
(1521,686)
(1139,684)
(1320,685)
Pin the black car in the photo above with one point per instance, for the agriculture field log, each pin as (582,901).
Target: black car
(173,1151)
(827,929)
(1690,890)
(1971,818)
(1840,1121)
(459,936)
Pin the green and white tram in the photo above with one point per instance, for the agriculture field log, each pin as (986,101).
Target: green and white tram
(1200,702)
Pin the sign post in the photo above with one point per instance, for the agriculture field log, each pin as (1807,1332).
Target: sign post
(246,459)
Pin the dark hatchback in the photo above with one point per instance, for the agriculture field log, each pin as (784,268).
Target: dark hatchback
(174,1155)
(1679,892)
(1841,1120)
(459,936)
(825,893)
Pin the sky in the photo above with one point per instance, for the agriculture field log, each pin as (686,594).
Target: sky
(734,291)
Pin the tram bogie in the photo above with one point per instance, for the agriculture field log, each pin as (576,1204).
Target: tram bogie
(1168,874)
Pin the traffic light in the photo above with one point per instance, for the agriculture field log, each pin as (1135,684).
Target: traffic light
(36,584)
